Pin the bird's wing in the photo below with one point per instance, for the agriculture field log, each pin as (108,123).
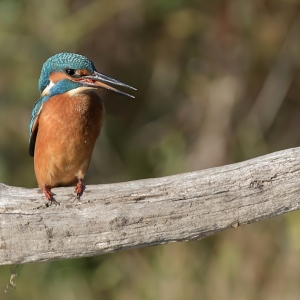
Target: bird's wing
(34,124)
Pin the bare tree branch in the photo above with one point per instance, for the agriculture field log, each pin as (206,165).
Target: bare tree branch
(114,217)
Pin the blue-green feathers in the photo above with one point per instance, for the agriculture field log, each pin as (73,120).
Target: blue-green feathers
(62,61)
(57,63)
(61,87)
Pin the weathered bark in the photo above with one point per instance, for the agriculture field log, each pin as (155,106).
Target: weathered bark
(113,217)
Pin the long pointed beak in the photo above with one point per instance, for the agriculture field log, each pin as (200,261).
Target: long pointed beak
(101,81)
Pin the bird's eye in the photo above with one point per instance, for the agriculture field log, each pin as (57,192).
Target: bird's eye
(70,72)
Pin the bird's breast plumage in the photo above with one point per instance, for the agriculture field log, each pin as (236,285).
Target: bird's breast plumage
(69,125)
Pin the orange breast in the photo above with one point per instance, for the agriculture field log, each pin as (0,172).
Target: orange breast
(67,132)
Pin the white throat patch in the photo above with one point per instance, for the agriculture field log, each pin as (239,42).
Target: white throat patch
(46,91)
(79,90)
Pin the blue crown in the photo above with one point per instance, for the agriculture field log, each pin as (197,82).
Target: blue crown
(62,61)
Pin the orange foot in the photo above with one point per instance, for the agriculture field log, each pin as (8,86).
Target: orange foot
(49,195)
(80,187)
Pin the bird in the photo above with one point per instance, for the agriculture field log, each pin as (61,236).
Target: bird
(66,121)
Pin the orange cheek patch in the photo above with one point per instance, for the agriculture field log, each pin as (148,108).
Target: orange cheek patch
(84,72)
(58,76)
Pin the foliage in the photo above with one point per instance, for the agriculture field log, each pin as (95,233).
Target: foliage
(218,82)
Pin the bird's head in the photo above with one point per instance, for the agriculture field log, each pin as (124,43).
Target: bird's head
(65,72)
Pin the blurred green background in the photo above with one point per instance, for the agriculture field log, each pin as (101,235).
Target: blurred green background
(218,82)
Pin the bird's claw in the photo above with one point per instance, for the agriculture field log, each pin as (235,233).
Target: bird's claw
(80,187)
(49,196)
(52,201)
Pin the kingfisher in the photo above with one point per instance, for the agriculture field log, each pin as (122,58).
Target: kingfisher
(66,120)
